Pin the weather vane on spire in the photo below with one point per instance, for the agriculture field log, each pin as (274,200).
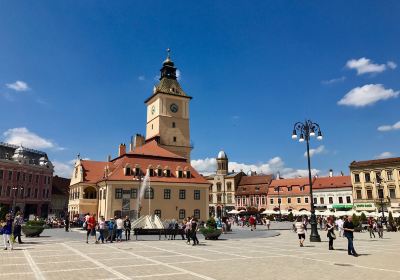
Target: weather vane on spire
(169,52)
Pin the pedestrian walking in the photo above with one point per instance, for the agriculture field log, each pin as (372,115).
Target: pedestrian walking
(67,222)
(268,222)
(120,226)
(194,231)
(188,230)
(339,225)
(6,230)
(301,231)
(91,228)
(127,227)
(348,228)
(101,228)
(379,226)
(18,221)
(111,230)
(330,227)
(371,223)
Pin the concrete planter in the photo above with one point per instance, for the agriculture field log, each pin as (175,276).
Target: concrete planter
(211,234)
(32,231)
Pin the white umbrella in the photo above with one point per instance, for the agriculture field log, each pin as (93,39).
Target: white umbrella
(305,212)
(327,213)
(295,212)
(319,212)
(284,212)
(233,212)
(340,213)
(396,214)
(270,212)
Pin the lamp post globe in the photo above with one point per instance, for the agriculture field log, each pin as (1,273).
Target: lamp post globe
(307,130)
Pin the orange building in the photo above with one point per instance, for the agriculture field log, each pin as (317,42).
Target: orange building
(252,192)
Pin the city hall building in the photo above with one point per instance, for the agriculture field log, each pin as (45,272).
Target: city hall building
(174,191)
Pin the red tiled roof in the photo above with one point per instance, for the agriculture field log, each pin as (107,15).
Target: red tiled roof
(374,162)
(290,182)
(332,182)
(255,180)
(148,155)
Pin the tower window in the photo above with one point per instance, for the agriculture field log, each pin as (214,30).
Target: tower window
(151,126)
(173,125)
(174,138)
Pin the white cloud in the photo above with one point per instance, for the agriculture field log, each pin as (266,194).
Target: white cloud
(384,155)
(333,81)
(141,78)
(62,169)
(22,136)
(367,95)
(364,65)
(209,165)
(18,86)
(391,65)
(319,150)
(395,126)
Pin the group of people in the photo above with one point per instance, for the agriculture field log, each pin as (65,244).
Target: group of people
(11,229)
(375,226)
(346,228)
(190,227)
(114,229)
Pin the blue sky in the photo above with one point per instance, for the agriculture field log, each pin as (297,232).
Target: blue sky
(74,75)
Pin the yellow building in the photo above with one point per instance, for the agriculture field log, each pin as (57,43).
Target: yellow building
(175,190)
(367,191)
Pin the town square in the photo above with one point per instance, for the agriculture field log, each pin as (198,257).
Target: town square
(213,140)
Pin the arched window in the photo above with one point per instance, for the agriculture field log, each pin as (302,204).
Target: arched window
(127,170)
(150,171)
(179,172)
(159,171)
(167,172)
(157,212)
(218,187)
(149,193)
(89,193)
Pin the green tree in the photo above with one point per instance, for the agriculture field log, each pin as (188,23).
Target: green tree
(211,223)
(356,221)
(290,217)
(363,218)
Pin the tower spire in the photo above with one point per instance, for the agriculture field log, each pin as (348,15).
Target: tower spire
(168,70)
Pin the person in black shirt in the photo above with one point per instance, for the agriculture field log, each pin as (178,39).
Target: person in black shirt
(348,227)
(127,227)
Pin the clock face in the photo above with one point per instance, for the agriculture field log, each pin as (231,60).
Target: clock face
(174,108)
(153,109)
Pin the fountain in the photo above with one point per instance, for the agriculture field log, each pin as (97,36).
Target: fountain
(147,221)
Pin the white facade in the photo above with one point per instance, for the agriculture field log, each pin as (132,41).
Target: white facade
(327,198)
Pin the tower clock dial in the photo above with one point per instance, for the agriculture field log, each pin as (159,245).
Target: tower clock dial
(174,108)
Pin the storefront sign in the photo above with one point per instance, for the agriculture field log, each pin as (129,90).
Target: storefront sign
(346,206)
(365,206)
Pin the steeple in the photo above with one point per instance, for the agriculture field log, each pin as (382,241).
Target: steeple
(168,70)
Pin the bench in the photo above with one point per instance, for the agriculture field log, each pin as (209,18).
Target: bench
(159,232)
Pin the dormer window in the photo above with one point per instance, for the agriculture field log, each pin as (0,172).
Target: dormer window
(151,172)
(180,174)
(137,171)
(188,174)
(302,188)
(127,170)
(159,171)
(167,172)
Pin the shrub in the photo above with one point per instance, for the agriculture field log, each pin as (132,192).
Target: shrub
(290,217)
(356,221)
(363,218)
(211,223)
(35,223)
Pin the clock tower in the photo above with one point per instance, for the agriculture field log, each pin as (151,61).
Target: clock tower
(168,113)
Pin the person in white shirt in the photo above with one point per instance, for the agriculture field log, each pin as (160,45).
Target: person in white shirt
(300,230)
(120,227)
(339,225)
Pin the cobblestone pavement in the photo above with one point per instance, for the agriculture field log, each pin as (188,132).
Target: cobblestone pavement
(277,257)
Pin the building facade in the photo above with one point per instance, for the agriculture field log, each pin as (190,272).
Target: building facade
(223,187)
(333,192)
(289,194)
(25,180)
(368,191)
(59,196)
(252,192)
(154,176)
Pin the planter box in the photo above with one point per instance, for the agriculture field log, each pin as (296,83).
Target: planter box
(211,235)
(32,231)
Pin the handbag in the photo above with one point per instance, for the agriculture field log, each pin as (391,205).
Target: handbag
(85,225)
(333,235)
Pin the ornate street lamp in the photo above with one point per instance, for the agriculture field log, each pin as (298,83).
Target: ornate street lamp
(307,130)
(380,187)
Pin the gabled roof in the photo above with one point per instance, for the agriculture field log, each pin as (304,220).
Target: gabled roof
(143,157)
(60,185)
(332,182)
(383,161)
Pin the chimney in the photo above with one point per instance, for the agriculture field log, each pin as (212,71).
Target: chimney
(109,158)
(330,173)
(121,150)
(131,145)
(139,141)
(341,173)
(278,175)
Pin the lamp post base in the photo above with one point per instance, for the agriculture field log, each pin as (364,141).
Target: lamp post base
(314,236)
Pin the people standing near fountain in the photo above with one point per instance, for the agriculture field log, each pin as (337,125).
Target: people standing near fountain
(120,227)
(111,230)
(6,230)
(127,226)
(19,220)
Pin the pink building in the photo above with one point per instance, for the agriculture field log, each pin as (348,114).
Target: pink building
(25,180)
